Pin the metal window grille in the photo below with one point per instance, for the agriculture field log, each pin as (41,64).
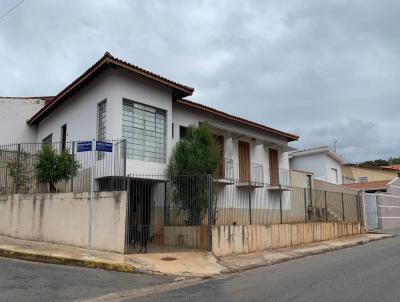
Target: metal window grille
(101,124)
(144,128)
(101,120)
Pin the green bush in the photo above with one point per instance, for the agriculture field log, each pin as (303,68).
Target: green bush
(194,157)
(53,167)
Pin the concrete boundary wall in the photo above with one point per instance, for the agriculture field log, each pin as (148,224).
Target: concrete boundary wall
(388,211)
(238,239)
(63,218)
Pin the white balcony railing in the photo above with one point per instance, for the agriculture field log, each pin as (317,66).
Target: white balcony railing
(278,178)
(250,173)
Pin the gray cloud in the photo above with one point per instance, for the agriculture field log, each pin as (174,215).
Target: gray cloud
(324,69)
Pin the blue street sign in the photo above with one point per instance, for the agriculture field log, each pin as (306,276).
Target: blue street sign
(104,146)
(84,146)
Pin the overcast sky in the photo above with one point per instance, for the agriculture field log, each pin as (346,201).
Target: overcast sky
(325,70)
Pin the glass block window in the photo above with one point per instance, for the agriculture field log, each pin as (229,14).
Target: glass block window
(144,128)
(101,120)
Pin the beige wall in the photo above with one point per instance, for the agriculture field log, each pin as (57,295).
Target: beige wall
(230,239)
(326,186)
(63,218)
(373,174)
(186,236)
(298,179)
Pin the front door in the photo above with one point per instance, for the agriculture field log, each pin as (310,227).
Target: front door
(140,210)
(244,161)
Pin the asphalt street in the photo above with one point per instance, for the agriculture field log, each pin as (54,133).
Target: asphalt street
(369,272)
(30,281)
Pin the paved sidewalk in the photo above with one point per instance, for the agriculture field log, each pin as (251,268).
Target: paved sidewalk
(247,261)
(193,264)
(184,264)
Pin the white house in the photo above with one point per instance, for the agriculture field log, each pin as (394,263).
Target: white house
(325,163)
(117,100)
(148,114)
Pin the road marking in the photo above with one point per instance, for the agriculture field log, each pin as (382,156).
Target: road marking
(141,292)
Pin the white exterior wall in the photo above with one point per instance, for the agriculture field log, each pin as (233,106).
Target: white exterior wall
(80,112)
(333,164)
(14,112)
(319,164)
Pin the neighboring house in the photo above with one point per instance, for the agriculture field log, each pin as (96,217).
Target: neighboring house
(13,116)
(382,202)
(324,163)
(371,186)
(356,173)
(393,167)
(117,100)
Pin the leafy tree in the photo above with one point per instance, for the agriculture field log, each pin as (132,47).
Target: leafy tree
(53,167)
(194,157)
(383,162)
(394,161)
(376,162)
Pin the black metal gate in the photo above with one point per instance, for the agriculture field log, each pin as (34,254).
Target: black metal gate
(166,215)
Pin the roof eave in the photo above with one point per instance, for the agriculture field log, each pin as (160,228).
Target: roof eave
(289,137)
(107,60)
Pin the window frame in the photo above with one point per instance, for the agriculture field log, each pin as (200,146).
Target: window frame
(144,143)
(98,121)
(101,125)
(48,140)
(63,137)
(182,129)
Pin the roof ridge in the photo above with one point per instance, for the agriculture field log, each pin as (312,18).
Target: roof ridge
(27,97)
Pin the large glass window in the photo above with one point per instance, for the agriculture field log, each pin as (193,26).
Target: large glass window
(144,128)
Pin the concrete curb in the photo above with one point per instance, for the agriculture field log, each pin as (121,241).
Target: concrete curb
(119,267)
(301,255)
(129,268)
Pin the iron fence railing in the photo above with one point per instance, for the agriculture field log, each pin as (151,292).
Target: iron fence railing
(234,203)
(165,212)
(19,168)
(260,205)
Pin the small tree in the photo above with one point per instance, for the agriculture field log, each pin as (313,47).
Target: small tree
(53,167)
(193,158)
(19,167)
